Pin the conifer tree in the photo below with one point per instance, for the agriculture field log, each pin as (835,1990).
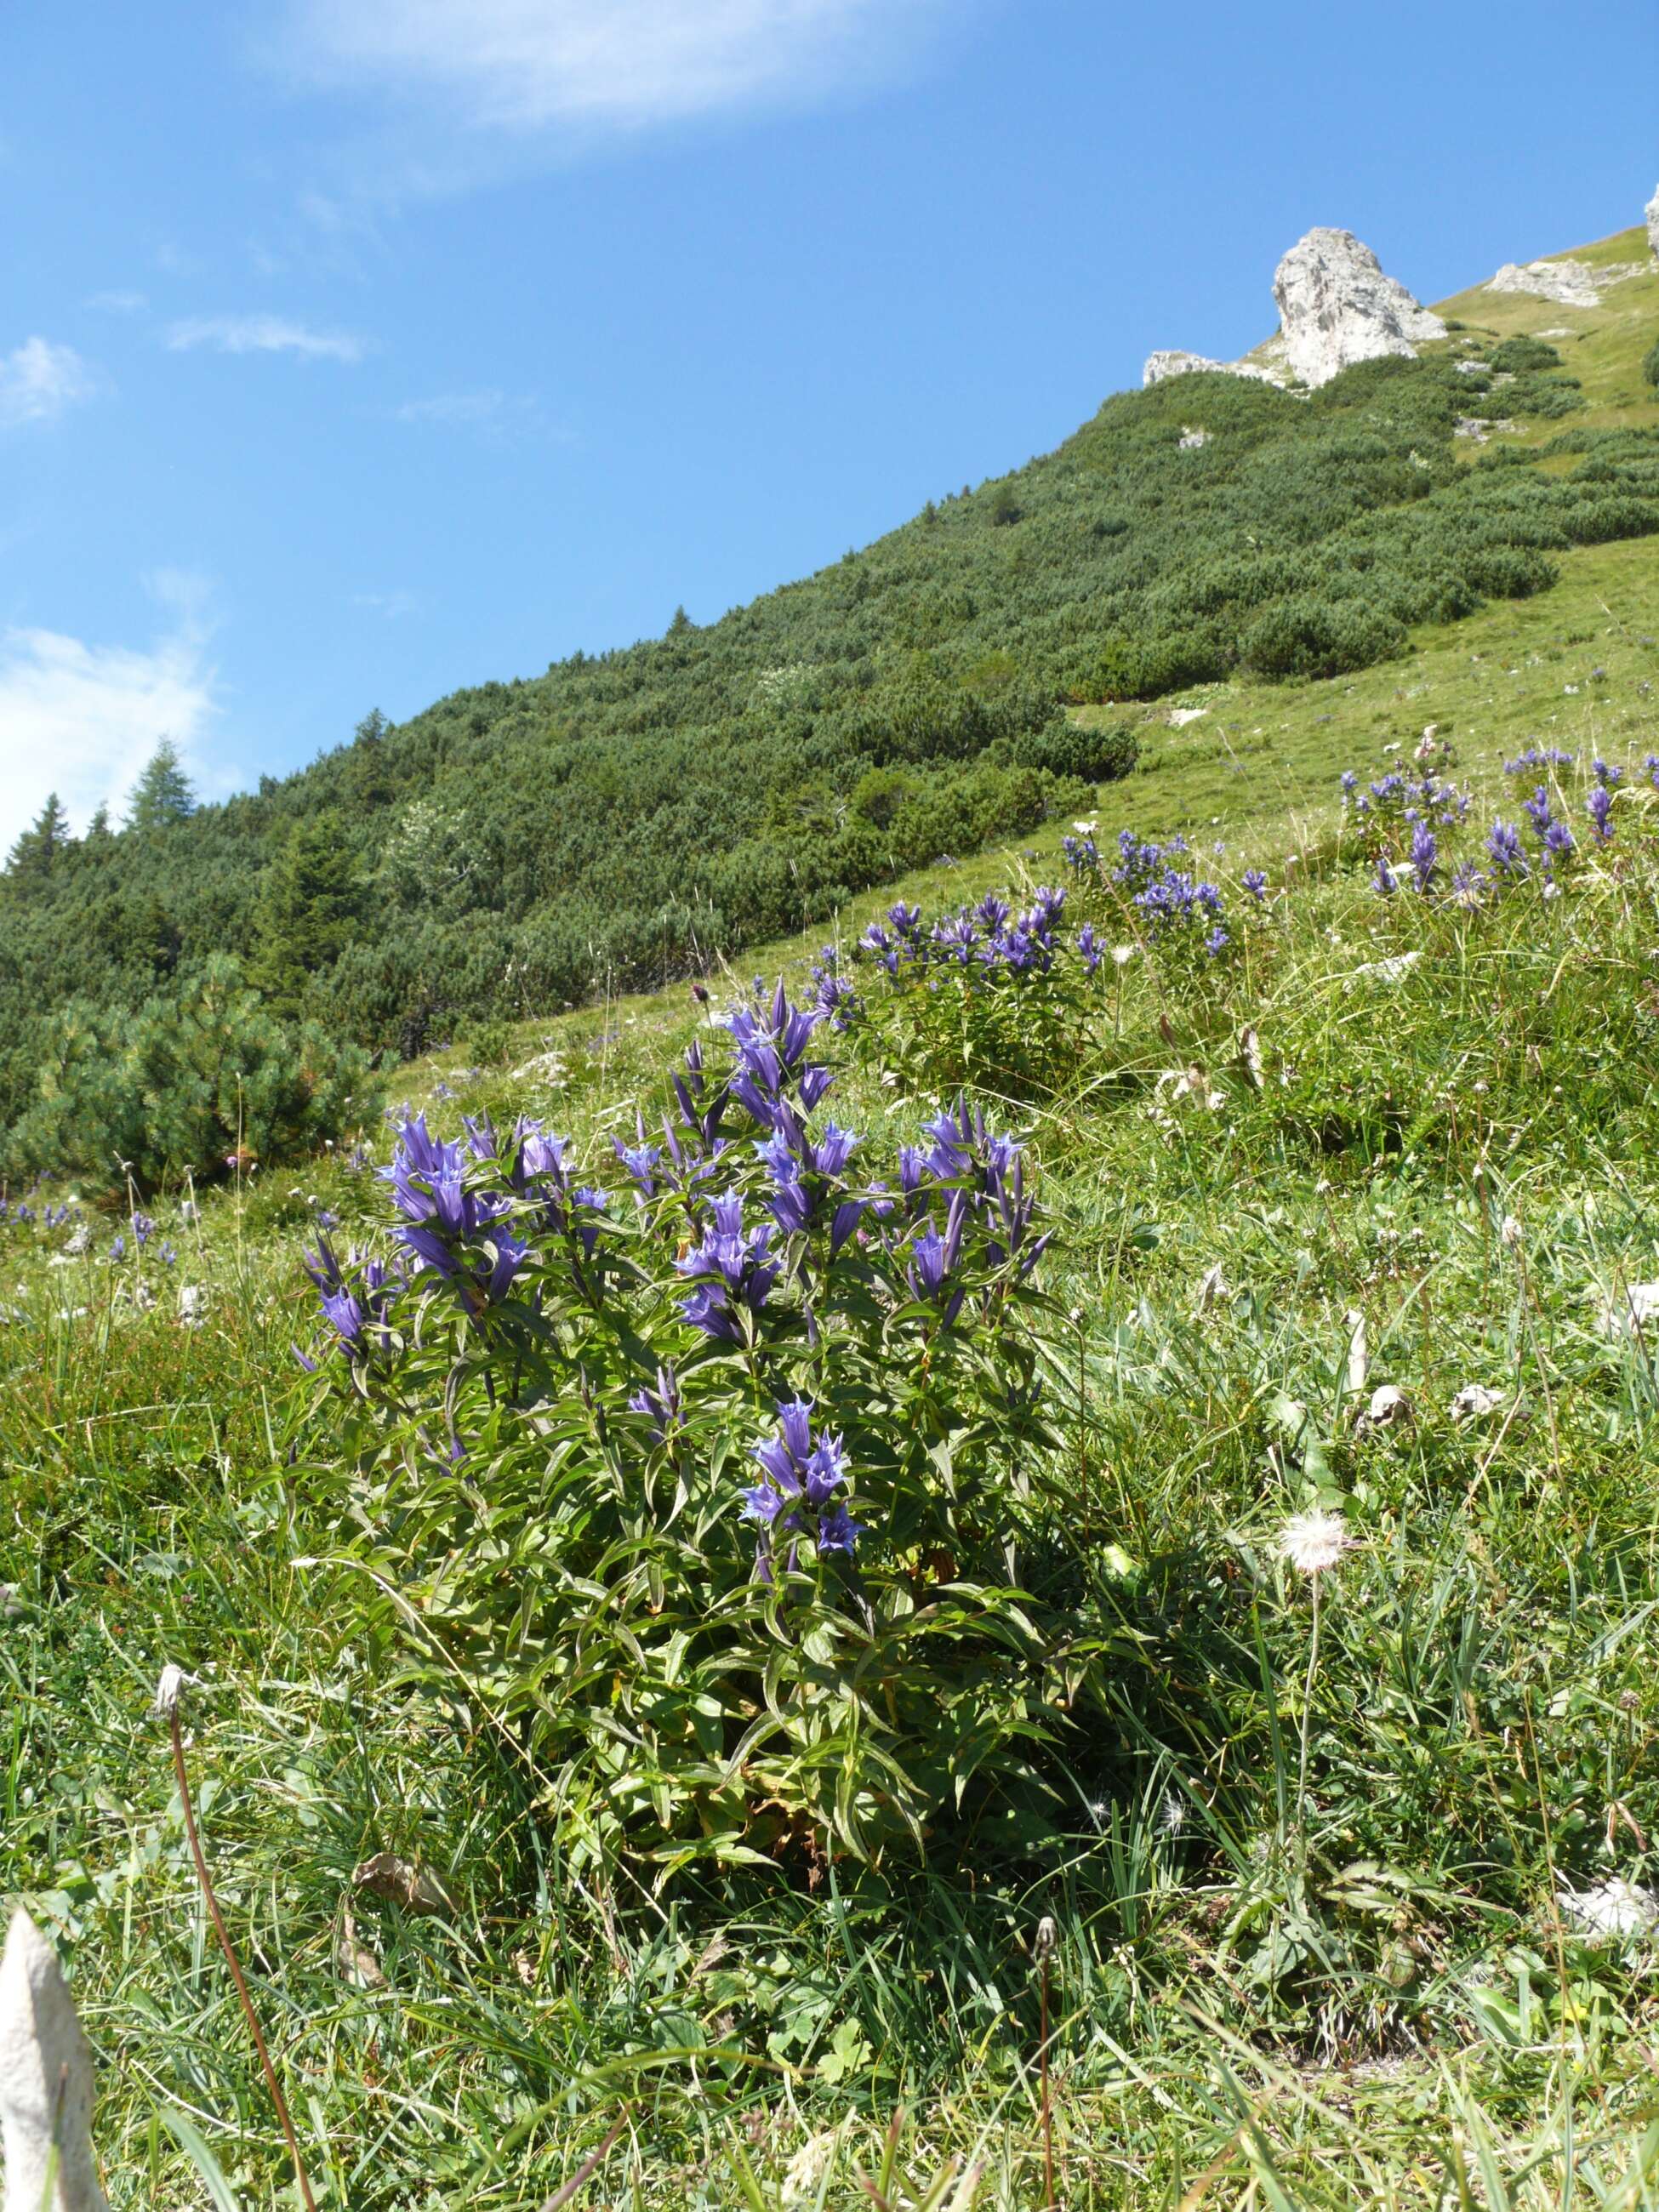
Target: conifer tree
(41,846)
(308,908)
(163,793)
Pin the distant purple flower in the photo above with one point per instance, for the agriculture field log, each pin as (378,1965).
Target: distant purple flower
(1425,856)
(1504,844)
(1599,807)
(1537,811)
(1217,942)
(1255,884)
(1384,877)
(1469,884)
(1088,946)
(1605,774)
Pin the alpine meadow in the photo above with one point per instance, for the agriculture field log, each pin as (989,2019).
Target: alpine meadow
(878,1384)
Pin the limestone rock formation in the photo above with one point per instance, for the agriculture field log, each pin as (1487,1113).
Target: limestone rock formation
(1569,283)
(1176,363)
(1653,222)
(46,2082)
(1337,307)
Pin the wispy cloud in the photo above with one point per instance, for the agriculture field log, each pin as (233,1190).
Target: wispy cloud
(82,720)
(523,63)
(492,416)
(462,409)
(263,334)
(391,605)
(39,380)
(119,302)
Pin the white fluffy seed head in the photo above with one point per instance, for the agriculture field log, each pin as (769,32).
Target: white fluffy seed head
(1312,1542)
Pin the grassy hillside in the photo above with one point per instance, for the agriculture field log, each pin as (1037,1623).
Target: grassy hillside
(631,816)
(1351,1870)
(1318,1890)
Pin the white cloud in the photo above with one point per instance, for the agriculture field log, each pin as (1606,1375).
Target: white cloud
(523,63)
(263,334)
(392,605)
(39,380)
(83,720)
(119,302)
(462,409)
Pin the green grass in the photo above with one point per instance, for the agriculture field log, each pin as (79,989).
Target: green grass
(1378,2004)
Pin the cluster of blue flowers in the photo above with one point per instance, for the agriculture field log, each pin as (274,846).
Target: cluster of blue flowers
(800,1476)
(1399,799)
(989,937)
(748,1218)
(1537,758)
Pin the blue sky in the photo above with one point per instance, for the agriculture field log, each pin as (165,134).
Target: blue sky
(354,350)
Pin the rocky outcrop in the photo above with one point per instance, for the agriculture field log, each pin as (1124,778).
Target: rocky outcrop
(1569,283)
(1160,366)
(1653,222)
(1336,307)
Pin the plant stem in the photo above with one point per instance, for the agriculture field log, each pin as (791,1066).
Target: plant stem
(225,1945)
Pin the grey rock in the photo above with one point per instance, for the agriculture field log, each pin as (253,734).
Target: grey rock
(1336,307)
(1652,212)
(1569,283)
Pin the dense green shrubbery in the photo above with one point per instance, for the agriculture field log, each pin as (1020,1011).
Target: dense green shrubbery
(198,1078)
(620,819)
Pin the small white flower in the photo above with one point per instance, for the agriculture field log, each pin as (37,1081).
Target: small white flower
(1123,954)
(1510,1230)
(1313,1541)
(807,2168)
(1172,1814)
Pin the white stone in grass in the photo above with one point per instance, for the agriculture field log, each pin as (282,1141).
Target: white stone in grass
(192,1305)
(1359,1361)
(1475,1401)
(1394,970)
(1389,1408)
(46,2082)
(1190,441)
(1180,716)
(1652,212)
(1610,1909)
(1636,1309)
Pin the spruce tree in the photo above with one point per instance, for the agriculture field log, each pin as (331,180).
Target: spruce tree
(163,793)
(308,909)
(41,845)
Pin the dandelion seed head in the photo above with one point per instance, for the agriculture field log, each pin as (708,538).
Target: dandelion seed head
(1314,1541)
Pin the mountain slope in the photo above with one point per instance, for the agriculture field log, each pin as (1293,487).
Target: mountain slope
(621,819)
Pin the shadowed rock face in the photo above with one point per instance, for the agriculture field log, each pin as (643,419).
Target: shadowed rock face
(1336,307)
(45,2082)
